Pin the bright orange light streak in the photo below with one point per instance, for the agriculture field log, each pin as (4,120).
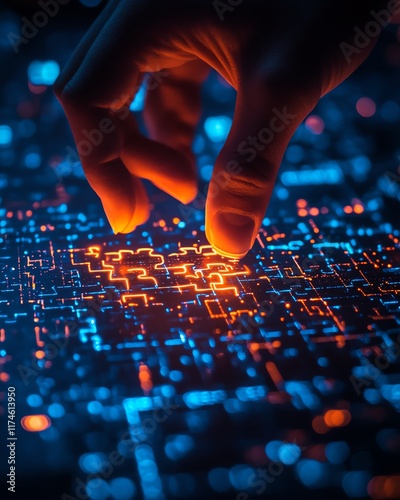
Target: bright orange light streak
(125,298)
(274,373)
(39,342)
(260,241)
(145,378)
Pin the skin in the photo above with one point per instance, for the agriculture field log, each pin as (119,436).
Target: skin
(277,54)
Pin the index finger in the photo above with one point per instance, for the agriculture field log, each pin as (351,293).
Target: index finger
(96,93)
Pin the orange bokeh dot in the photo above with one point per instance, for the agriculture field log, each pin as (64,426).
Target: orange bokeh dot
(40,354)
(348,209)
(301,203)
(35,423)
(319,426)
(4,377)
(302,212)
(366,107)
(314,211)
(315,124)
(391,487)
(358,208)
(384,487)
(337,418)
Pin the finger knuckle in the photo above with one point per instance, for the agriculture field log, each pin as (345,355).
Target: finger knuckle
(251,181)
(71,94)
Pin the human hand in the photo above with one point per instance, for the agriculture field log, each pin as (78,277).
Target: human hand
(280,55)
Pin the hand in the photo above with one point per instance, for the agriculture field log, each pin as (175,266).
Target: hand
(281,56)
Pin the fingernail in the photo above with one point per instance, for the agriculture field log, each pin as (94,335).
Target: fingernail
(232,234)
(120,222)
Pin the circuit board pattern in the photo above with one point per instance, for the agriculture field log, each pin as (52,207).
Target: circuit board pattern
(195,332)
(314,284)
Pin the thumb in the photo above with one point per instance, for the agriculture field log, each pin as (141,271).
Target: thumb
(246,168)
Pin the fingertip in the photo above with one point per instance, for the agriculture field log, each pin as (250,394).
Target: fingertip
(120,222)
(231,233)
(229,255)
(187,195)
(124,199)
